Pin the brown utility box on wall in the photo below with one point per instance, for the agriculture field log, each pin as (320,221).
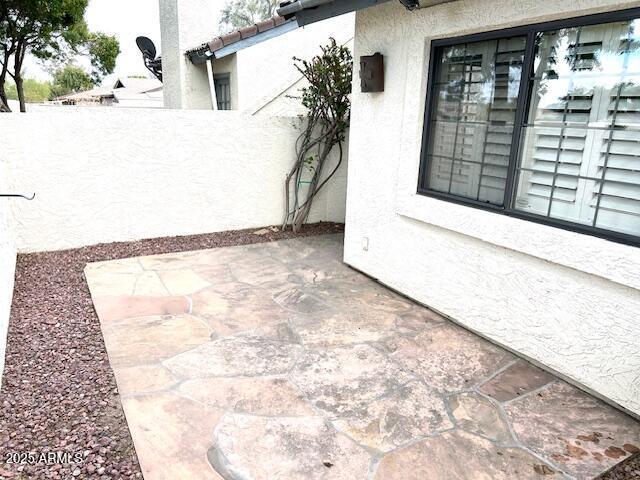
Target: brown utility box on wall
(372,73)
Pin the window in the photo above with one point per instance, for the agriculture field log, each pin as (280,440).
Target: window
(471,129)
(222,85)
(540,122)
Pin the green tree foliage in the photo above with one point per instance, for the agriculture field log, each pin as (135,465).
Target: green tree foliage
(326,96)
(52,31)
(34,91)
(242,13)
(103,51)
(70,79)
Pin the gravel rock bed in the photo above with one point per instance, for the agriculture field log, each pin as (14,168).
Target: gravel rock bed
(61,415)
(627,470)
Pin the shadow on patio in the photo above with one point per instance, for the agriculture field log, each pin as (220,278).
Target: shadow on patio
(276,360)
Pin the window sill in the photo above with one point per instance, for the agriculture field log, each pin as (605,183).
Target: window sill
(579,251)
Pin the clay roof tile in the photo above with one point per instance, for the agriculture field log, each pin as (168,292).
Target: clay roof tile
(245,32)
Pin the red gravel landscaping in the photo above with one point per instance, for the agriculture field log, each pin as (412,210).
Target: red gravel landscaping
(59,397)
(627,470)
(61,415)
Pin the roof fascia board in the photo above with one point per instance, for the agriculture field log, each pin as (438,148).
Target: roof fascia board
(432,3)
(333,9)
(291,8)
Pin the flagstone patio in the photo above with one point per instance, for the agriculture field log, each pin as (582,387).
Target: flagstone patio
(277,361)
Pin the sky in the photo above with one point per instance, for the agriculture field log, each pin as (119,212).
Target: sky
(126,19)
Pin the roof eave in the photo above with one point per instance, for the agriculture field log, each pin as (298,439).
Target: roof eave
(199,56)
(219,48)
(312,11)
(259,38)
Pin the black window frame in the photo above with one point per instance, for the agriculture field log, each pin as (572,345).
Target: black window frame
(520,122)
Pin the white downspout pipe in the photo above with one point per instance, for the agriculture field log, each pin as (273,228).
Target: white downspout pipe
(212,85)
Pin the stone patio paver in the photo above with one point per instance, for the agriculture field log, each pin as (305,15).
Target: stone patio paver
(341,381)
(182,282)
(122,307)
(236,307)
(149,284)
(171,435)
(476,414)
(417,320)
(145,378)
(152,339)
(264,448)
(449,358)
(269,396)
(411,412)
(330,328)
(516,380)
(573,430)
(460,456)
(237,356)
(277,361)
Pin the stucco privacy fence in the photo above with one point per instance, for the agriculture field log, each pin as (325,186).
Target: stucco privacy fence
(7,269)
(106,175)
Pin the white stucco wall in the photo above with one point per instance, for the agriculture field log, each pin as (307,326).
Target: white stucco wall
(185,24)
(266,71)
(568,301)
(262,74)
(104,175)
(7,263)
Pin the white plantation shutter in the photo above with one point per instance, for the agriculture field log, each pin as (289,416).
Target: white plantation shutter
(585,114)
(560,150)
(618,195)
(493,173)
(561,146)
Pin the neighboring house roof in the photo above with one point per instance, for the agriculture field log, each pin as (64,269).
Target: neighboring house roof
(93,94)
(139,85)
(123,87)
(128,97)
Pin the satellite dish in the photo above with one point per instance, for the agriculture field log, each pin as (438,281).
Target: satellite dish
(147,47)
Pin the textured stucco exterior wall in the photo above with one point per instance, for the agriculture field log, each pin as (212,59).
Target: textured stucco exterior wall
(266,70)
(7,264)
(565,300)
(287,101)
(104,175)
(185,24)
(261,74)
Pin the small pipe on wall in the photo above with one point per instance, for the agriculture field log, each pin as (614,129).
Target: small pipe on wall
(18,195)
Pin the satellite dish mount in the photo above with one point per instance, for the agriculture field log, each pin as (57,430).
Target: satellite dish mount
(148,49)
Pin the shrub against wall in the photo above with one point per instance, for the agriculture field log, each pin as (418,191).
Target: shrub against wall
(326,99)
